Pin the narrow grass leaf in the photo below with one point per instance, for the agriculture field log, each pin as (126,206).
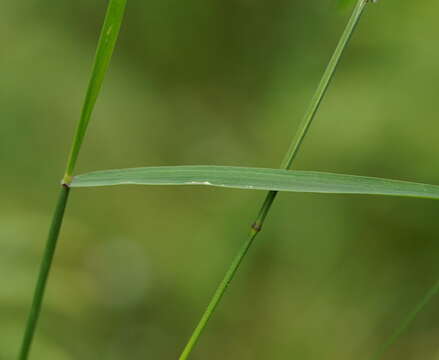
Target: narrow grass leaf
(107,42)
(257,179)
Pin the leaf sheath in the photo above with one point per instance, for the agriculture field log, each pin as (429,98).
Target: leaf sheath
(43,276)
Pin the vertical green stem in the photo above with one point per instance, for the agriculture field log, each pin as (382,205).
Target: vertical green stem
(44,272)
(286,164)
(107,41)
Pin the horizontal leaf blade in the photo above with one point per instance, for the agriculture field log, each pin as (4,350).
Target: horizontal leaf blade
(257,179)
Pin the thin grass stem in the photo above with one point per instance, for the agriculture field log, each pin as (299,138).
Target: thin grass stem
(43,276)
(408,320)
(105,48)
(219,293)
(286,164)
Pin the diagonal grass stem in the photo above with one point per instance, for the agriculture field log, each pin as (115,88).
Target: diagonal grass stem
(408,320)
(286,164)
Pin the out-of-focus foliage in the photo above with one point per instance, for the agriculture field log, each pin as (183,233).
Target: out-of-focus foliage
(344,3)
(219,82)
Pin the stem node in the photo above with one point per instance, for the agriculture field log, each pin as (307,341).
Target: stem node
(257,227)
(286,164)
(66,181)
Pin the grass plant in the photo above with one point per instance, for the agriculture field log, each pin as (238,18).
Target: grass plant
(272,180)
(286,164)
(106,44)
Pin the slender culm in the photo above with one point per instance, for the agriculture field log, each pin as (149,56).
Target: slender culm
(408,320)
(286,164)
(106,44)
(43,276)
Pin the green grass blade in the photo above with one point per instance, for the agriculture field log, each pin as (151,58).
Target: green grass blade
(257,179)
(107,41)
(411,316)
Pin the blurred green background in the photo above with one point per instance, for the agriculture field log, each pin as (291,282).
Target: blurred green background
(219,82)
